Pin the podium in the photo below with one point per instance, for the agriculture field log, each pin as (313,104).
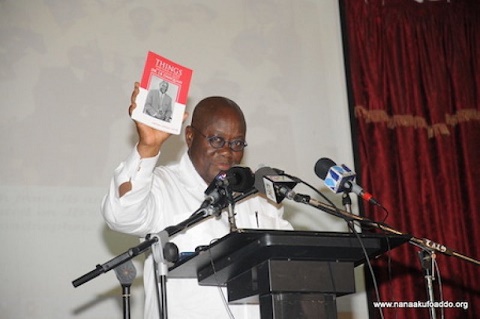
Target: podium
(290,274)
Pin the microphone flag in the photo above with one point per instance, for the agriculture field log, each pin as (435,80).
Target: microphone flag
(338,178)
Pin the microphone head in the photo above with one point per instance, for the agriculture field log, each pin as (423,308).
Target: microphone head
(339,178)
(240,179)
(126,273)
(273,183)
(260,174)
(221,176)
(322,167)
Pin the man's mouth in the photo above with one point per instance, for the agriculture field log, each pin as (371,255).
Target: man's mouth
(224,166)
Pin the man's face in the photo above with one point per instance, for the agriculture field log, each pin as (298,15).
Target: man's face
(163,87)
(207,160)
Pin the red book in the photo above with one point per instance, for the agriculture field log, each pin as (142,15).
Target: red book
(163,94)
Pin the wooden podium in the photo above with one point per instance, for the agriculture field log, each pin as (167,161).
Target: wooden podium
(291,274)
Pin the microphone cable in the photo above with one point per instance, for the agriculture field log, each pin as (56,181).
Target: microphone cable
(351,226)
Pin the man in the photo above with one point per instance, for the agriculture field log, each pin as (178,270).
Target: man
(145,199)
(158,103)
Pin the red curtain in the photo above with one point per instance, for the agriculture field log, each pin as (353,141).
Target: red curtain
(413,69)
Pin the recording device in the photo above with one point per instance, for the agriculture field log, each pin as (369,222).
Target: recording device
(340,178)
(274,184)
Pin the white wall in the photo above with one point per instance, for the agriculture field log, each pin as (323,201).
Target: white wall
(66,72)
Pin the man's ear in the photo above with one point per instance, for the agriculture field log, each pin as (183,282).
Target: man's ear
(189,135)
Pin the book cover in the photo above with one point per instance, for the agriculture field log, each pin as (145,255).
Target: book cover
(163,94)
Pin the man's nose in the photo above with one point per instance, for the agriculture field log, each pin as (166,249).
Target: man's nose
(226,150)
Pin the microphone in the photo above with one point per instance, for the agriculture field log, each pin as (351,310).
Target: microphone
(236,179)
(126,273)
(275,185)
(239,179)
(340,178)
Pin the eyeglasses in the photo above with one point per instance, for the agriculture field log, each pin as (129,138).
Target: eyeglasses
(219,142)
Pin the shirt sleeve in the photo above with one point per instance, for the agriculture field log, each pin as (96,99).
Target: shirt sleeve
(274,217)
(129,213)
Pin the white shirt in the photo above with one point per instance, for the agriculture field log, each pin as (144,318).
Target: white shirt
(165,196)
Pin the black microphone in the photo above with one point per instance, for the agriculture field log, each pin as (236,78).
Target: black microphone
(236,179)
(239,179)
(275,185)
(340,178)
(126,273)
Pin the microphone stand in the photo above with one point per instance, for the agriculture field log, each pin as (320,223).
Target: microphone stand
(160,266)
(347,201)
(114,262)
(423,243)
(161,249)
(150,240)
(427,254)
(231,209)
(126,301)
(426,260)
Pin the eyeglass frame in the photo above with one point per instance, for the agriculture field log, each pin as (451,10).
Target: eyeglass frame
(223,141)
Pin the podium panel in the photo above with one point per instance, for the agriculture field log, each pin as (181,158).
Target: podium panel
(289,276)
(291,305)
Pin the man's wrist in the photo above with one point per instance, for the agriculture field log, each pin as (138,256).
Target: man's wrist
(147,151)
